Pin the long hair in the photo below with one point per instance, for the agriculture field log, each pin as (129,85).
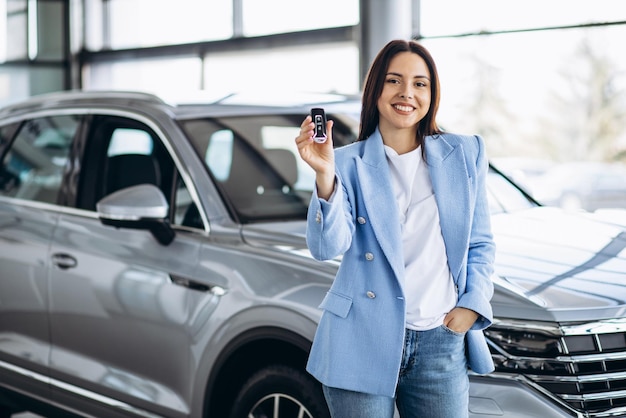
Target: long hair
(374,83)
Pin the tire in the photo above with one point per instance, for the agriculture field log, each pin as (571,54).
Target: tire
(280,392)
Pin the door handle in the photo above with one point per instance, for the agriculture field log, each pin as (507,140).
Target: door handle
(64,261)
(191,284)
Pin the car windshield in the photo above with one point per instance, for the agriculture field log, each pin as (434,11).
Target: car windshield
(257,180)
(504,195)
(254,161)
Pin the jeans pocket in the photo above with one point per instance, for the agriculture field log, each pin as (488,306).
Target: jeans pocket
(453,332)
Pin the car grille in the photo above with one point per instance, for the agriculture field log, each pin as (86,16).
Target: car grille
(583,366)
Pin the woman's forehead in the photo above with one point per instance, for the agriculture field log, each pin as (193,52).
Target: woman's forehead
(408,64)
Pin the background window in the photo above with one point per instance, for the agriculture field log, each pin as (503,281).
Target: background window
(278,16)
(167,77)
(138,23)
(281,70)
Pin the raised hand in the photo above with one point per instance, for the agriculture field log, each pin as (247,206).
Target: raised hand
(321,157)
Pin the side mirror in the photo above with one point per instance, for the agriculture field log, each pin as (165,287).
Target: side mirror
(138,207)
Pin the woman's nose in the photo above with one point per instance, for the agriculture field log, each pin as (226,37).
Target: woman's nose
(406,94)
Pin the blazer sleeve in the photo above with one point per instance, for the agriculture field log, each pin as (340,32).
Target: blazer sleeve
(329,226)
(481,252)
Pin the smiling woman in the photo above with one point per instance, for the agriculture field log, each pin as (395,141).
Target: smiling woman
(411,201)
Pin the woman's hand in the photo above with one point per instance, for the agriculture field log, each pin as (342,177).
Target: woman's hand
(460,319)
(321,157)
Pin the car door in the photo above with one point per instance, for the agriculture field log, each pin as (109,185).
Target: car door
(125,313)
(34,155)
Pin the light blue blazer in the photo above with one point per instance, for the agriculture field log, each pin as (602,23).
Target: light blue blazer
(359,341)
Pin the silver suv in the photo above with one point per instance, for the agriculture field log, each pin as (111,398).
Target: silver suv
(153,263)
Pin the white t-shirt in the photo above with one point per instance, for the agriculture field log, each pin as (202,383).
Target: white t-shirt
(428,285)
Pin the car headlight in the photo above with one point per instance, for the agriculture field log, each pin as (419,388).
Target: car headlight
(524,351)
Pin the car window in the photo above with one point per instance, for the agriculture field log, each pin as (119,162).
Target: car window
(130,141)
(130,160)
(6,134)
(8,180)
(122,153)
(219,154)
(278,141)
(255,161)
(253,164)
(37,157)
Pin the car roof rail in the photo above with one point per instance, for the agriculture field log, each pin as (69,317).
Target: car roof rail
(48,99)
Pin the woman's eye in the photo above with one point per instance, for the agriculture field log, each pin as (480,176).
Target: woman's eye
(392,80)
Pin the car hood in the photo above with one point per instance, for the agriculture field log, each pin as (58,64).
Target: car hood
(558,265)
(551,265)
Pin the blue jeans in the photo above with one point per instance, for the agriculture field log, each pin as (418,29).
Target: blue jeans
(433,382)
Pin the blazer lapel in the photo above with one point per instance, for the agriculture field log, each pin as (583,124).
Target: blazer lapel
(379,199)
(450,180)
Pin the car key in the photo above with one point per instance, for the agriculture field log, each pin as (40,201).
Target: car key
(319,119)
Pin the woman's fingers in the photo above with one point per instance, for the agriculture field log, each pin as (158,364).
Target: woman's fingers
(329,130)
(319,156)
(306,128)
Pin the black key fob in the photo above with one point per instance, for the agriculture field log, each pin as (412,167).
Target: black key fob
(319,119)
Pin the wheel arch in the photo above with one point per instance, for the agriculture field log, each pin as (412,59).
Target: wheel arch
(247,353)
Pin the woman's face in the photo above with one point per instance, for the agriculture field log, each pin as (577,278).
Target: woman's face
(405,98)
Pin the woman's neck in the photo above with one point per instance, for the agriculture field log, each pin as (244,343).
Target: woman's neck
(401,140)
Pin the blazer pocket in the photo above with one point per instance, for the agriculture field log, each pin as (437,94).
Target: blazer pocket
(336,304)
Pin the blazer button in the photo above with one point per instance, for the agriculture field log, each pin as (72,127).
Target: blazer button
(318,217)
(369,256)
(371,294)
(360,220)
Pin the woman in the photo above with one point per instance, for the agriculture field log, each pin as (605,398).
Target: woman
(406,206)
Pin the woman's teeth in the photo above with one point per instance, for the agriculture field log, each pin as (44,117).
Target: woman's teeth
(403,108)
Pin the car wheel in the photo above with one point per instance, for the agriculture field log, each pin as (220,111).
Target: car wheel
(280,392)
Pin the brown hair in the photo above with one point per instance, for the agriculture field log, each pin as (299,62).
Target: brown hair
(375,80)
